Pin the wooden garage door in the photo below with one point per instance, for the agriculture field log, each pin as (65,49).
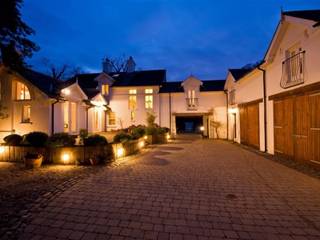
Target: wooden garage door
(249,124)
(314,139)
(283,119)
(297,127)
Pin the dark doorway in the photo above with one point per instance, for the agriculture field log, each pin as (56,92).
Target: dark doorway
(190,124)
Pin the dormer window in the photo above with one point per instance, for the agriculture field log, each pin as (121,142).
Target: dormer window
(293,67)
(192,101)
(105,89)
(22,92)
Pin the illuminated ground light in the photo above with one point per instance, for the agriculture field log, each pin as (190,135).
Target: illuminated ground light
(2,149)
(141,144)
(120,152)
(202,128)
(168,136)
(65,157)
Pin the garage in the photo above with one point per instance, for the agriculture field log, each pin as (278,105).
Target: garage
(249,124)
(188,124)
(297,126)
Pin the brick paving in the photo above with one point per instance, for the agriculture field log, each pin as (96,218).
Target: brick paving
(200,189)
(22,189)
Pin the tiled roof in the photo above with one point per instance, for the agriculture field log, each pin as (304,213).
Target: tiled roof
(42,81)
(313,15)
(239,73)
(139,78)
(207,86)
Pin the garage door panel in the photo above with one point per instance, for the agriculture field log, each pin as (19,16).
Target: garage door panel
(301,127)
(249,125)
(314,140)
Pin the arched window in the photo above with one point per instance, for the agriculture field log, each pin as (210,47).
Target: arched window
(22,92)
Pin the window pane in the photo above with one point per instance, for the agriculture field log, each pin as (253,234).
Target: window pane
(133,91)
(132,102)
(112,118)
(66,116)
(73,117)
(149,101)
(149,91)
(22,92)
(105,89)
(26,113)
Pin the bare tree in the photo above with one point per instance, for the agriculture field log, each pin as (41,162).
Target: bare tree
(118,64)
(60,72)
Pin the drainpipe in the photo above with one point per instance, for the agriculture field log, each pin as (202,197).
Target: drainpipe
(170,110)
(264,108)
(227,100)
(52,115)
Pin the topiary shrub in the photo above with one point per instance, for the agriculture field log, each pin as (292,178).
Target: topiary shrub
(138,132)
(13,140)
(95,140)
(122,137)
(62,140)
(37,139)
(151,130)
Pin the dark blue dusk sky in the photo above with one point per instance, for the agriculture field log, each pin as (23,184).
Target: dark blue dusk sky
(202,37)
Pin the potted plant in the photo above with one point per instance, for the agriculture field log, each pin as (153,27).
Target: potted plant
(33,160)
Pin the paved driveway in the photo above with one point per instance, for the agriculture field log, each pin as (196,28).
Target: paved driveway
(199,189)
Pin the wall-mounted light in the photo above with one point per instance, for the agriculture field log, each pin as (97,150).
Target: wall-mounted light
(233,110)
(202,128)
(141,144)
(145,137)
(2,149)
(168,136)
(65,157)
(65,91)
(120,152)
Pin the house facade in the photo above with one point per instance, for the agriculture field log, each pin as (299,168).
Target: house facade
(31,101)
(189,106)
(277,101)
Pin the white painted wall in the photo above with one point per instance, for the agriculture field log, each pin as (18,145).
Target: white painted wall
(298,32)
(119,103)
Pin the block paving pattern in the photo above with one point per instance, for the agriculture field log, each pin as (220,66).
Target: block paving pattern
(202,189)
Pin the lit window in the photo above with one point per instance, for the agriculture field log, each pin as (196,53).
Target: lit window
(133,115)
(112,118)
(148,91)
(26,114)
(105,89)
(149,101)
(66,116)
(133,91)
(73,110)
(22,92)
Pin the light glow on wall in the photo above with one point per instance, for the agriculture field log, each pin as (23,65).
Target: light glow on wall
(202,128)
(120,152)
(168,136)
(2,149)
(145,137)
(141,144)
(65,91)
(65,157)
(233,110)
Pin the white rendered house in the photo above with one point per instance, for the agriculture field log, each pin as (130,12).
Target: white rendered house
(274,106)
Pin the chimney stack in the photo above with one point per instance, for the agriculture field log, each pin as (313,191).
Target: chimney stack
(130,65)
(106,65)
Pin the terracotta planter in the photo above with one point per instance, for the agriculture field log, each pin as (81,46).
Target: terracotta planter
(31,162)
(94,161)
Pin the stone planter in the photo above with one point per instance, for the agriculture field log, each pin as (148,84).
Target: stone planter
(33,160)
(157,138)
